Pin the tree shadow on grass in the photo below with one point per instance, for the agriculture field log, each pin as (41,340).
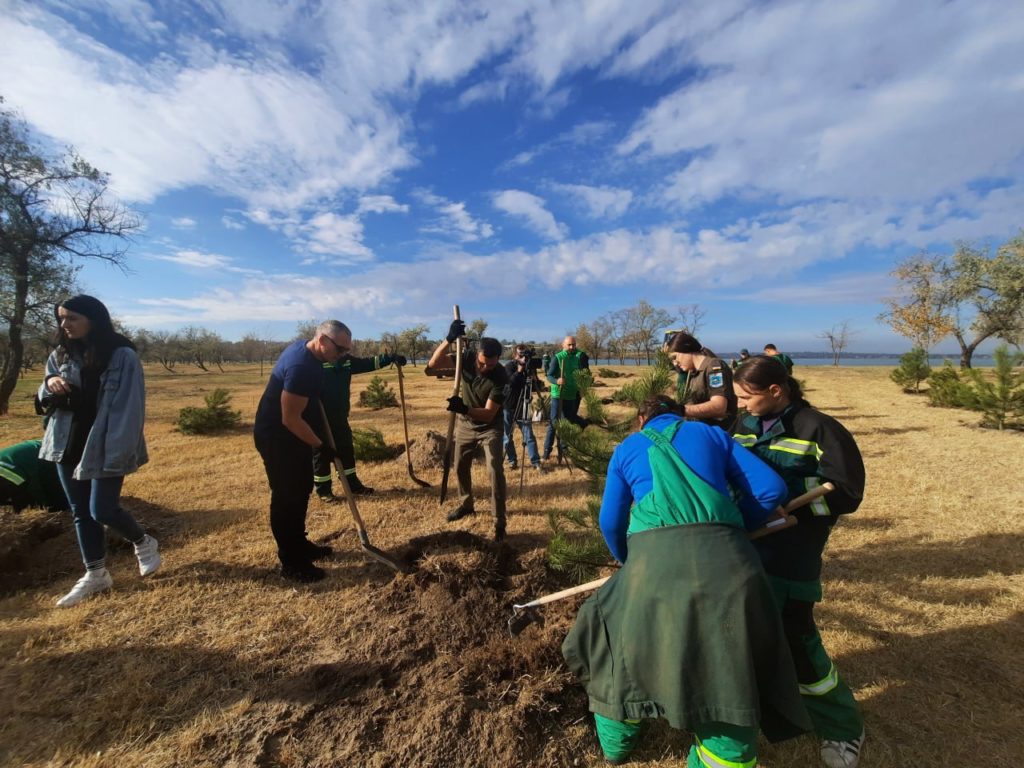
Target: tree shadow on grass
(83,702)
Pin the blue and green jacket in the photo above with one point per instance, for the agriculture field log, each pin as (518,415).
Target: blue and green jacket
(28,480)
(564,365)
(806,447)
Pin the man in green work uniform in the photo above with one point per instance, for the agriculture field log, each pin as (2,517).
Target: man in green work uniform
(565,394)
(28,481)
(704,384)
(806,448)
(772,351)
(337,393)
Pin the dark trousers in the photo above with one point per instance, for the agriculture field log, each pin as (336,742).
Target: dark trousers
(287,460)
(570,410)
(466,440)
(346,452)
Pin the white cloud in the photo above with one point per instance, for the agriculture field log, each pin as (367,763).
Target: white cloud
(230,223)
(183,222)
(330,234)
(380,204)
(197,259)
(600,202)
(453,219)
(531,210)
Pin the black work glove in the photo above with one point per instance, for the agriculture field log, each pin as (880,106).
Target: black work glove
(399,360)
(455,330)
(457,405)
(327,453)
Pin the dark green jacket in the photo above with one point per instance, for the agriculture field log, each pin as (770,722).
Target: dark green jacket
(564,365)
(806,447)
(29,480)
(337,389)
(688,630)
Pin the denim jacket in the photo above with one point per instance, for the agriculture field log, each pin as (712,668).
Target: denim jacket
(115,445)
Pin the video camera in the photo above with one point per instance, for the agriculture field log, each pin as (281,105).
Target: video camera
(529,358)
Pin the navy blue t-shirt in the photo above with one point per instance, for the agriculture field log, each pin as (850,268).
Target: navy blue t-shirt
(297,371)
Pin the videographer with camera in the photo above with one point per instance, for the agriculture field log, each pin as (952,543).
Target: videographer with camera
(522,381)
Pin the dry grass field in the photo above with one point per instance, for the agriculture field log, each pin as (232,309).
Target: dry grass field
(216,661)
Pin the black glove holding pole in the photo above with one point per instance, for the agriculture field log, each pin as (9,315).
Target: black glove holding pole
(327,453)
(457,405)
(455,330)
(399,360)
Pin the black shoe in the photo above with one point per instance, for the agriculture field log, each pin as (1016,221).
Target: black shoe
(460,512)
(513,466)
(304,573)
(499,532)
(326,497)
(358,488)
(318,551)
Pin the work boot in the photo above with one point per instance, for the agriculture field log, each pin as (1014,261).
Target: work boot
(148,554)
(513,465)
(461,511)
(317,551)
(93,582)
(304,573)
(323,492)
(842,754)
(357,486)
(499,532)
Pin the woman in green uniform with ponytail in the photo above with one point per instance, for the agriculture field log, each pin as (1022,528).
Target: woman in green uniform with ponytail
(687,629)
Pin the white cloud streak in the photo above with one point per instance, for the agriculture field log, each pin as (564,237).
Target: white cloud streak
(531,210)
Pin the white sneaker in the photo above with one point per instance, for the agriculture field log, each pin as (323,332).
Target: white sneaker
(90,584)
(149,555)
(842,754)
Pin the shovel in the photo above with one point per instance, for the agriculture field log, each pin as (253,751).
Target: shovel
(364,539)
(448,443)
(525,614)
(405,429)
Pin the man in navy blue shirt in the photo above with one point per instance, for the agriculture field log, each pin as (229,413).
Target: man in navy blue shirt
(286,432)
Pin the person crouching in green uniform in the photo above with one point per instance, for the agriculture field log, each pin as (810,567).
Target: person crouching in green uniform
(806,448)
(28,481)
(687,629)
(337,395)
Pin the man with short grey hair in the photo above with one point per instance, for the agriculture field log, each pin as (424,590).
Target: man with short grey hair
(286,431)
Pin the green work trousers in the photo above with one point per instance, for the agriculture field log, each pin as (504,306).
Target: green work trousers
(828,699)
(715,745)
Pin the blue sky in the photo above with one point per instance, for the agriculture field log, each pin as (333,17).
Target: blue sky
(540,163)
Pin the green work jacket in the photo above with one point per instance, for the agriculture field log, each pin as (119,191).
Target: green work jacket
(337,389)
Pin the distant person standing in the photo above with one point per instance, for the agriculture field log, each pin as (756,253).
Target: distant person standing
(565,393)
(772,351)
(337,397)
(286,432)
(744,356)
(807,448)
(28,481)
(522,380)
(704,382)
(94,397)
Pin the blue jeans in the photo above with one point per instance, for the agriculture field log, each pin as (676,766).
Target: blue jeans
(570,412)
(94,504)
(528,439)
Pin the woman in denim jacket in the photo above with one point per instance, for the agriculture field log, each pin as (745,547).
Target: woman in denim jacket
(95,400)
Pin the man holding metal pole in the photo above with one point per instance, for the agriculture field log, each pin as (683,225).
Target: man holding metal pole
(565,394)
(483,393)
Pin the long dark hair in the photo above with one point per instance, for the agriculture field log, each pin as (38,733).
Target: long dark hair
(685,342)
(99,344)
(658,405)
(758,373)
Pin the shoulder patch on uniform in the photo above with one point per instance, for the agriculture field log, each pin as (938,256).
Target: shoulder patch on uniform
(716,379)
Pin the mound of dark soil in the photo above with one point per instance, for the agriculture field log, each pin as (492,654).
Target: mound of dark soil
(443,682)
(428,452)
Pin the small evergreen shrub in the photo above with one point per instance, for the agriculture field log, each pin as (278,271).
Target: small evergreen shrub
(913,369)
(370,446)
(378,395)
(215,417)
(999,397)
(947,390)
(608,373)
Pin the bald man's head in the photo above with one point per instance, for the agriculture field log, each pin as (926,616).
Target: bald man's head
(569,344)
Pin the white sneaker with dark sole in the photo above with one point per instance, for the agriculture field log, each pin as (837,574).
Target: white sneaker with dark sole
(90,584)
(148,553)
(842,754)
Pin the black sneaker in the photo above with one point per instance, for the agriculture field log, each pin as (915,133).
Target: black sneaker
(327,497)
(460,512)
(304,573)
(318,551)
(358,488)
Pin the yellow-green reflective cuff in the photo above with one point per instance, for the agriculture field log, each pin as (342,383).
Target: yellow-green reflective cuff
(711,760)
(823,686)
(12,476)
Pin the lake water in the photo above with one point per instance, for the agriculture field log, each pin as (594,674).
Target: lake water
(978,361)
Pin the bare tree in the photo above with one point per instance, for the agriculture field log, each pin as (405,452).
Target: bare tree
(643,324)
(838,337)
(413,341)
(691,318)
(54,209)
(477,328)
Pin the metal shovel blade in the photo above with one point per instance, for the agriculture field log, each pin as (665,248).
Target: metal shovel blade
(522,618)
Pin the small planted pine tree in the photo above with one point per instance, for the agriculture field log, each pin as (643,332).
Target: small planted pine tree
(1001,397)
(913,369)
(215,417)
(947,390)
(369,445)
(378,395)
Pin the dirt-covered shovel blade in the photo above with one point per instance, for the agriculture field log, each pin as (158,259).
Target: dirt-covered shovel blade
(522,618)
(405,430)
(364,539)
